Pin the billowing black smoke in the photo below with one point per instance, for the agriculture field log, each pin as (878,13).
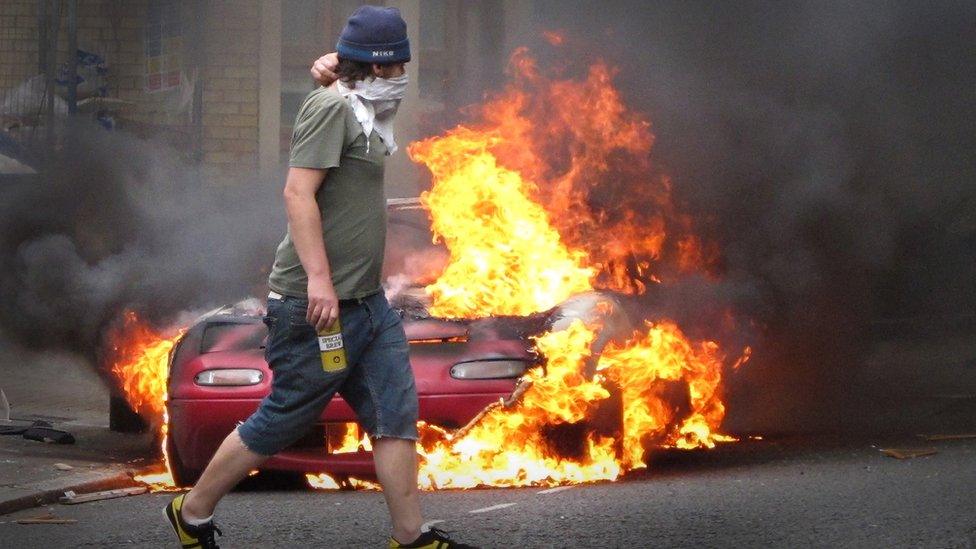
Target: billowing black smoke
(115,222)
(828,148)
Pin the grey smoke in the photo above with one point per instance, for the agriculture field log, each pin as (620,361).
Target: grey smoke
(116,222)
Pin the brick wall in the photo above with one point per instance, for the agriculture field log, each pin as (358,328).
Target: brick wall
(115,30)
(230,80)
(111,29)
(18,41)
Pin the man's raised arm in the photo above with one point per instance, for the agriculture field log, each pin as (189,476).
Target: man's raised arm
(323,69)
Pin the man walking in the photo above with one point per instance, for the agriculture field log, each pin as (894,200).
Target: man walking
(327,271)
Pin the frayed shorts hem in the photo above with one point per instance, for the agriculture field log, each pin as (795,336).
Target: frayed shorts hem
(251,443)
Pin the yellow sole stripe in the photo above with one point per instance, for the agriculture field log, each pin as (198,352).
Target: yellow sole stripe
(188,541)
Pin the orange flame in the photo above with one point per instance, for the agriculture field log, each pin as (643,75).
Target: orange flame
(323,481)
(509,445)
(664,354)
(554,37)
(551,194)
(506,258)
(352,440)
(140,364)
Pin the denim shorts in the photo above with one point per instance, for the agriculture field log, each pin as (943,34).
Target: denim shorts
(377,382)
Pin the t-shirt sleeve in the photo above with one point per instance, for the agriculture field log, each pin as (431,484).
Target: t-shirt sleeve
(318,139)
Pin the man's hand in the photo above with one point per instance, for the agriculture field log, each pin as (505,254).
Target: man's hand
(323,304)
(323,69)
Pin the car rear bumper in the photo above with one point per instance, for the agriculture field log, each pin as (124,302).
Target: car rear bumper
(198,426)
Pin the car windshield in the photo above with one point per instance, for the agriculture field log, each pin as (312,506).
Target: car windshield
(232,336)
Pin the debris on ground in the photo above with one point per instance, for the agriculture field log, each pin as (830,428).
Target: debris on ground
(960,436)
(19,427)
(71,498)
(46,518)
(908,453)
(63,467)
(13,429)
(48,434)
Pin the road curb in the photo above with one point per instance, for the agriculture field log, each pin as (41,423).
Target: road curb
(47,495)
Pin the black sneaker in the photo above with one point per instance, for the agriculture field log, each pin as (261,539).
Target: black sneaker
(431,539)
(191,536)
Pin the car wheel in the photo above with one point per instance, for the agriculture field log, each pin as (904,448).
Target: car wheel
(182,475)
(122,418)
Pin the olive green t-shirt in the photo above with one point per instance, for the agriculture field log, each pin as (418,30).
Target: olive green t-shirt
(328,136)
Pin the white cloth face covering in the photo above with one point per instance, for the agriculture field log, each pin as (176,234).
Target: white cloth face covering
(375,102)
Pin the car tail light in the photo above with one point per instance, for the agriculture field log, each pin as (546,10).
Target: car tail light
(229,377)
(488,369)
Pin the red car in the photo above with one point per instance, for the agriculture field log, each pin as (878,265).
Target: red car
(218,376)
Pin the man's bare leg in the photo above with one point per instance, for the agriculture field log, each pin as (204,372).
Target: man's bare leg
(396,469)
(232,462)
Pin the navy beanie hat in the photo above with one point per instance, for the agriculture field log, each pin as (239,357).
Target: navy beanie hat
(375,34)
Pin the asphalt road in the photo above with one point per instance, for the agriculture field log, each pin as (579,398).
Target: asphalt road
(786,492)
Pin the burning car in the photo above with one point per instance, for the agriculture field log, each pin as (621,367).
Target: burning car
(550,219)
(218,376)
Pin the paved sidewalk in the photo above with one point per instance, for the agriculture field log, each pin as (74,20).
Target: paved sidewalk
(65,392)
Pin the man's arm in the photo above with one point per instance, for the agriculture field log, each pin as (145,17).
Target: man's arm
(305,226)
